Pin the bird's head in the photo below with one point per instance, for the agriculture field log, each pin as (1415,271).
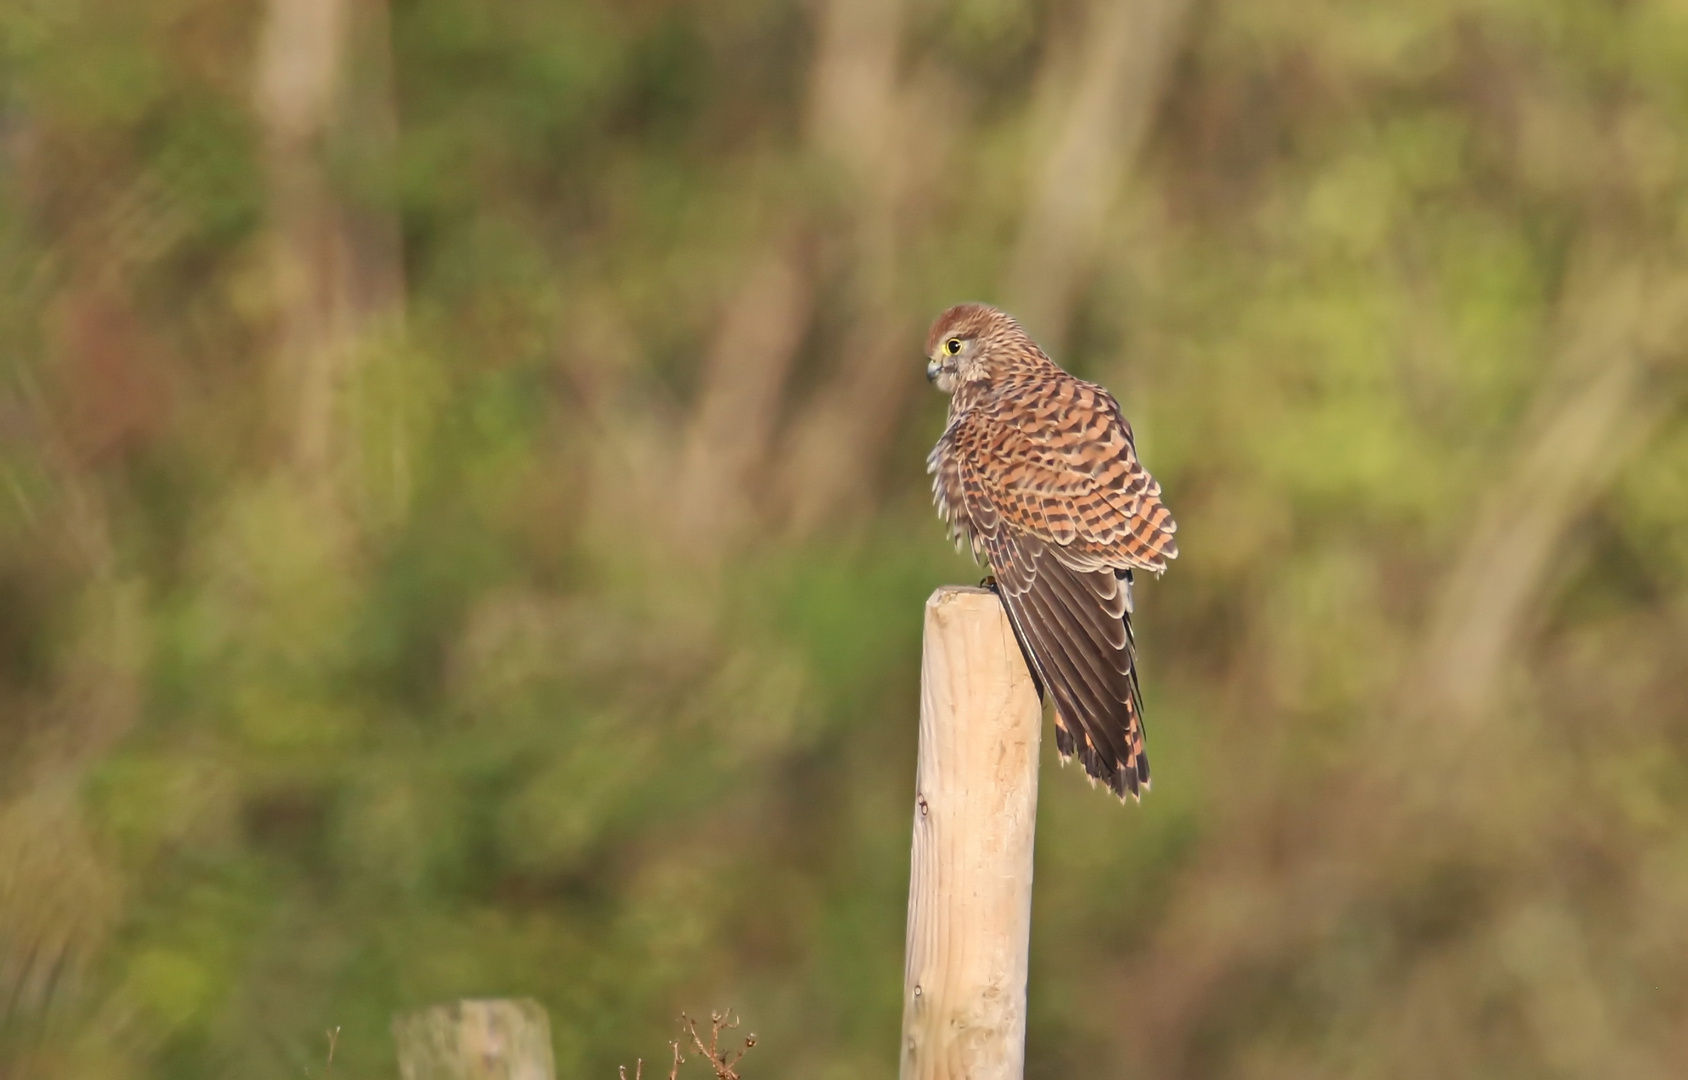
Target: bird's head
(968,343)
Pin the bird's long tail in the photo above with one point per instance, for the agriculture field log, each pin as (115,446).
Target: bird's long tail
(1074,630)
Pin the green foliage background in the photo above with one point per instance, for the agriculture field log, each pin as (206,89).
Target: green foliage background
(493,693)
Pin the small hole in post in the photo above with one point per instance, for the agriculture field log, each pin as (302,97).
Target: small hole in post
(920,801)
(916,989)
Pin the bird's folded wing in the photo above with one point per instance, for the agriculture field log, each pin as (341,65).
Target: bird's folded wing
(1075,626)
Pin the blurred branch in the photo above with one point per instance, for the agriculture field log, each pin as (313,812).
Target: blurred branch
(335,267)
(731,429)
(1592,413)
(858,122)
(1103,113)
(835,445)
(852,89)
(623,444)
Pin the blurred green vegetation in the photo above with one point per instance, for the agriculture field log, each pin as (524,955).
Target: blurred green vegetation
(464,527)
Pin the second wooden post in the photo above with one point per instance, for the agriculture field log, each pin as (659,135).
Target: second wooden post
(970,874)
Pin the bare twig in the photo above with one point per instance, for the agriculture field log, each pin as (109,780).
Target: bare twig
(333,1034)
(724,1062)
(674,1069)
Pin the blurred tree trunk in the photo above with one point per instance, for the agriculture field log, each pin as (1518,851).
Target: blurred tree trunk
(323,94)
(1101,109)
(744,376)
(857,124)
(1593,412)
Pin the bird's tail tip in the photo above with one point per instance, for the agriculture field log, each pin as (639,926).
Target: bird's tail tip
(1128,779)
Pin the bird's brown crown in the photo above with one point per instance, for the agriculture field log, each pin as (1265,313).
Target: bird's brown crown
(972,321)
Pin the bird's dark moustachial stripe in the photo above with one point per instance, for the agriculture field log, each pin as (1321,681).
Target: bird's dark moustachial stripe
(1037,472)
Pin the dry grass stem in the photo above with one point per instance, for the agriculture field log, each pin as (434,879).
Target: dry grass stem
(724,1062)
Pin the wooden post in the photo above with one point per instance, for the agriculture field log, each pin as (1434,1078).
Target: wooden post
(489,1039)
(970,874)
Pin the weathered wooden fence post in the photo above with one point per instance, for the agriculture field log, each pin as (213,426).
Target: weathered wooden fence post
(485,1039)
(970,874)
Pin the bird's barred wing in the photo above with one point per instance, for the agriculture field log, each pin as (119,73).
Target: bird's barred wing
(1065,468)
(1076,629)
(1073,622)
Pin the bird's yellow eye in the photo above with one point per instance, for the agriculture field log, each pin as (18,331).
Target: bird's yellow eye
(952,346)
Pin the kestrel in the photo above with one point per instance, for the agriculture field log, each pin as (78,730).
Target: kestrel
(1037,472)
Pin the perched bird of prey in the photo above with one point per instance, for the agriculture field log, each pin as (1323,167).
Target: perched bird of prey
(1037,472)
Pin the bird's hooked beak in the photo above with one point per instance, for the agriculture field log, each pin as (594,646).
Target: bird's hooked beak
(932,370)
